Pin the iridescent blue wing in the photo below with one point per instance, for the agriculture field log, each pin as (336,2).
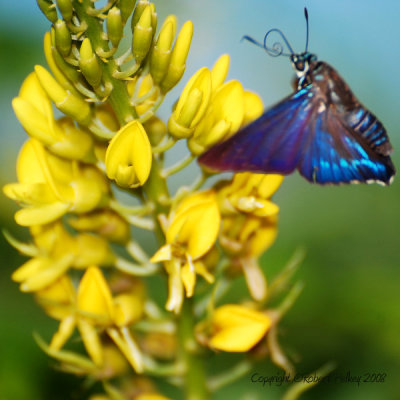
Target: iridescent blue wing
(351,147)
(327,144)
(271,144)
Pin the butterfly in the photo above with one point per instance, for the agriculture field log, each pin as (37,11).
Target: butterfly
(321,130)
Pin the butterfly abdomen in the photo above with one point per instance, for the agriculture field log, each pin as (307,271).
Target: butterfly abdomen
(370,129)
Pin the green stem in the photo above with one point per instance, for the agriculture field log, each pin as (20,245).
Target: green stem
(194,374)
(179,166)
(119,97)
(156,191)
(156,187)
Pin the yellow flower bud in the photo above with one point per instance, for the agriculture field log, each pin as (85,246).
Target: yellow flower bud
(39,272)
(64,332)
(87,194)
(62,38)
(91,340)
(114,365)
(57,299)
(66,9)
(128,309)
(191,234)
(151,396)
(128,157)
(142,35)
(49,186)
(224,117)
(48,9)
(220,71)
(63,72)
(92,250)
(195,224)
(74,143)
(153,18)
(180,52)
(126,7)
(253,107)
(114,26)
(250,193)
(106,223)
(34,111)
(89,64)
(161,53)
(192,104)
(105,114)
(140,7)
(66,102)
(156,129)
(33,190)
(248,237)
(160,345)
(94,300)
(237,328)
(146,85)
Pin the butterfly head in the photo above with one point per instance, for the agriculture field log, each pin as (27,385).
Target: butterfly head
(301,63)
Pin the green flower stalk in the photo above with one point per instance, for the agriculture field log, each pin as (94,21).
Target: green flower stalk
(85,266)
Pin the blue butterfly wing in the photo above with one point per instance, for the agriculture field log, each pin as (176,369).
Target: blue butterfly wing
(327,147)
(271,144)
(338,149)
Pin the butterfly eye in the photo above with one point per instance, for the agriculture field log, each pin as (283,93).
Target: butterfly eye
(300,65)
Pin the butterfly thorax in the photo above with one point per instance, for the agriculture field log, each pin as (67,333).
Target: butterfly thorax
(302,64)
(330,87)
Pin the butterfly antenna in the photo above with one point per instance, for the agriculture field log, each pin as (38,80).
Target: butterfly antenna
(254,41)
(307,28)
(276,49)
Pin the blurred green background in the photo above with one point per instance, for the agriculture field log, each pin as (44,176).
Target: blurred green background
(349,311)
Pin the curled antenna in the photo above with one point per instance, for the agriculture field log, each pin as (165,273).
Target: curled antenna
(307,29)
(277,48)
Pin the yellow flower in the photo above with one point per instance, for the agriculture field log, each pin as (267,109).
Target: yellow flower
(210,110)
(161,53)
(54,58)
(250,193)
(58,301)
(65,101)
(94,306)
(34,110)
(223,118)
(128,156)
(145,88)
(253,107)
(160,345)
(58,298)
(236,328)
(192,105)
(97,307)
(115,26)
(151,396)
(177,64)
(57,252)
(245,238)
(50,186)
(94,298)
(89,64)
(128,309)
(197,99)
(142,35)
(105,223)
(192,232)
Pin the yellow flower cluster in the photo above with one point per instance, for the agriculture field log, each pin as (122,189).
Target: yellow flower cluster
(87,268)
